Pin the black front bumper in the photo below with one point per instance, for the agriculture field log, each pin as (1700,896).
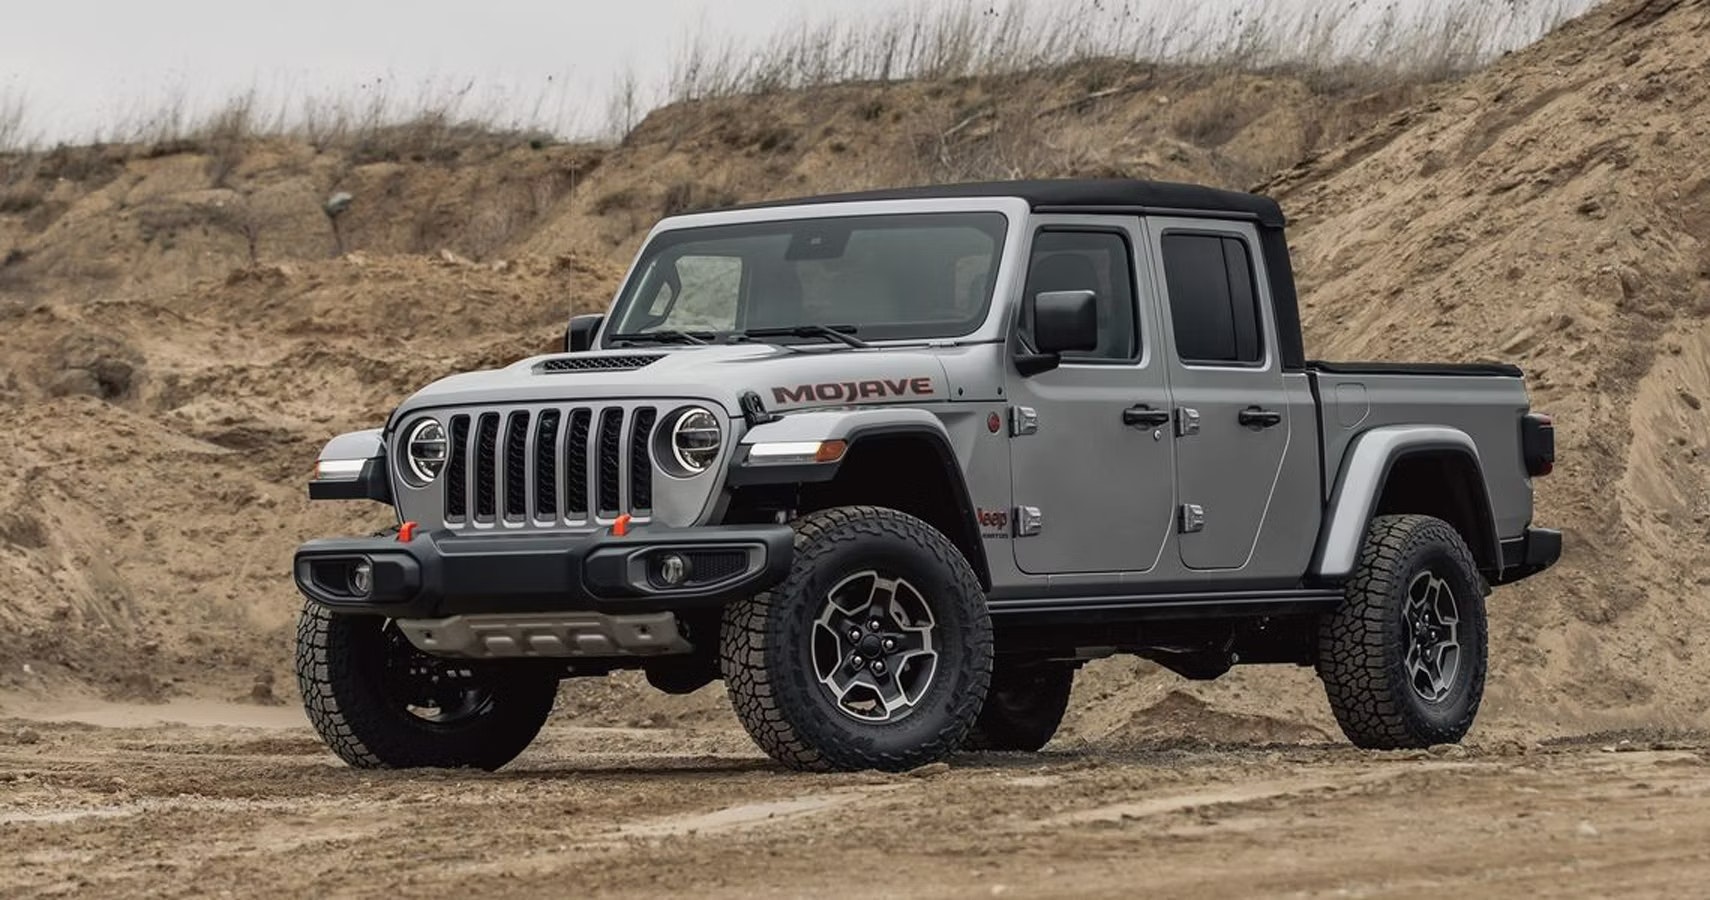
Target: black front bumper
(441,573)
(1530,553)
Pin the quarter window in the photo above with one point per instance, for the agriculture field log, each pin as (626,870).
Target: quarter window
(1214,301)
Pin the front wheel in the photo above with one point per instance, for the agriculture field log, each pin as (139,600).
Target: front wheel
(874,653)
(1403,657)
(380,703)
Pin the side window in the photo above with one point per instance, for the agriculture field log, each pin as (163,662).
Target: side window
(1214,301)
(1097,261)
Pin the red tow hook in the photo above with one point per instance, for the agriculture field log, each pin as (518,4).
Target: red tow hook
(406,532)
(620,526)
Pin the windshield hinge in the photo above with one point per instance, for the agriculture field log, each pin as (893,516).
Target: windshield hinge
(754,410)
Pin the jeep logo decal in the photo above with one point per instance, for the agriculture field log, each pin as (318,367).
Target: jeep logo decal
(852,390)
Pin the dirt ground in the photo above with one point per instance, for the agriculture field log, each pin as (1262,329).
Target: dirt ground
(118,801)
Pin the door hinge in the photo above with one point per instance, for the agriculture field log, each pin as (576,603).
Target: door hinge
(1029,521)
(1192,518)
(1187,421)
(1023,420)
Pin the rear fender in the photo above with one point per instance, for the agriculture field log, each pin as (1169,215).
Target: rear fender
(1364,477)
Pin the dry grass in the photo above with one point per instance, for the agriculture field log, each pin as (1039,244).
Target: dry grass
(1346,41)
(14,134)
(435,120)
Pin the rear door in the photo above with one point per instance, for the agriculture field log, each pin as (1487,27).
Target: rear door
(1232,423)
(1092,480)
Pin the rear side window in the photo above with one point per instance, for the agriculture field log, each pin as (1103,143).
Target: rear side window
(1214,302)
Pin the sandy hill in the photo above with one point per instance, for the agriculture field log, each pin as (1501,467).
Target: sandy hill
(1554,210)
(167,393)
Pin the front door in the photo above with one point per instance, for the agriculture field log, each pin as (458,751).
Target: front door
(1226,382)
(1091,454)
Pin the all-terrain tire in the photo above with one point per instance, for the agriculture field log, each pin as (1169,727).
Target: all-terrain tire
(767,646)
(1364,646)
(341,672)
(1024,706)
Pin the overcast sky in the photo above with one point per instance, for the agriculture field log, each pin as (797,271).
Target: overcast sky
(89,66)
(85,64)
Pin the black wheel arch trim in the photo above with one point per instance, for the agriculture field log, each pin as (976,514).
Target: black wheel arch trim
(743,474)
(1485,545)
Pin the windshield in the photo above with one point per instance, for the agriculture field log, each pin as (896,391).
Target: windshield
(892,277)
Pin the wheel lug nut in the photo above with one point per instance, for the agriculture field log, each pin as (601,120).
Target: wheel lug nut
(889,645)
(857,661)
(854,634)
(874,624)
(879,666)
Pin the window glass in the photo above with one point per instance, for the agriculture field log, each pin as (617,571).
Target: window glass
(710,287)
(1213,298)
(890,276)
(1097,261)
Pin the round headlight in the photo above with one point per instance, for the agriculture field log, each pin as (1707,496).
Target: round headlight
(425,448)
(695,439)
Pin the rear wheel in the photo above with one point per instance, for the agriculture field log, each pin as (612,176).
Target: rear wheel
(874,653)
(1403,657)
(380,703)
(1024,706)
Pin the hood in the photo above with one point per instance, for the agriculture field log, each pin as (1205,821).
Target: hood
(791,377)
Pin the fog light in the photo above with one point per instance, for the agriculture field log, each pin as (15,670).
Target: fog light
(673,569)
(362,578)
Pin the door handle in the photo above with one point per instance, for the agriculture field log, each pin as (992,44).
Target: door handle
(1142,416)
(1257,417)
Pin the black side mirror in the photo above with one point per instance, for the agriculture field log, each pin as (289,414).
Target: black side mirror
(1062,321)
(580,335)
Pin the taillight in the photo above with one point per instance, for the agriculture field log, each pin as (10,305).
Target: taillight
(1538,443)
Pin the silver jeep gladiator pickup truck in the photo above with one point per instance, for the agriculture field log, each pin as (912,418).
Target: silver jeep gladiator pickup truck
(894,464)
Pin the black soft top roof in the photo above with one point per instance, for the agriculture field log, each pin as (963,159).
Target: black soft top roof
(1074,195)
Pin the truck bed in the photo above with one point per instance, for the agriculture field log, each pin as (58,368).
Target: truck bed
(1485,400)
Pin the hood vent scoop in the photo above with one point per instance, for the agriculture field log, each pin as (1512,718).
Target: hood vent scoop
(565,364)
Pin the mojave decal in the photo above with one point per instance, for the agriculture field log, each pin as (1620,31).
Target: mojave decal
(871,389)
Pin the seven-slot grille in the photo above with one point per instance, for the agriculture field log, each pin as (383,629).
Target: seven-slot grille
(571,465)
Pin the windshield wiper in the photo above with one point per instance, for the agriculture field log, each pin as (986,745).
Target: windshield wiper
(663,336)
(842,333)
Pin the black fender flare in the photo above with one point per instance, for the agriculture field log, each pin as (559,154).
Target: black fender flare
(924,427)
